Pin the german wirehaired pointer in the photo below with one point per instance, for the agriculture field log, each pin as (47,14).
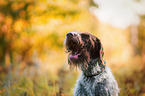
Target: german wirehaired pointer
(86,52)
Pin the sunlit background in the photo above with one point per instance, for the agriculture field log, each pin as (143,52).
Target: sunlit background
(33,61)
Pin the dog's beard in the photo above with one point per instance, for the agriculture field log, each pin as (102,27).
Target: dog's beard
(82,62)
(89,67)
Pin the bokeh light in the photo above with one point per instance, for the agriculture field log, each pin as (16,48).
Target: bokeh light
(33,61)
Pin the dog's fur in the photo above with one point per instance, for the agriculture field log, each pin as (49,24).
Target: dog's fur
(86,52)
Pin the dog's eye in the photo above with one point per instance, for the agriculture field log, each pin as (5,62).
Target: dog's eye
(85,36)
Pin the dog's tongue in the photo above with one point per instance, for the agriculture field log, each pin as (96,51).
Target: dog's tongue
(74,57)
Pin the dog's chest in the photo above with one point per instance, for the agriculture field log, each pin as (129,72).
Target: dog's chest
(89,85)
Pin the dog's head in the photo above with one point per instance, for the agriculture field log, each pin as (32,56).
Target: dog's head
(83,48)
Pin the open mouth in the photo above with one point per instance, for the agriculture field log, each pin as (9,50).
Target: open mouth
(74,48)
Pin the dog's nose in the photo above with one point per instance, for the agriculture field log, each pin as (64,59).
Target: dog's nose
(69,34)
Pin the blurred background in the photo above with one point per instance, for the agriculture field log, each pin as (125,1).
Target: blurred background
(33,61)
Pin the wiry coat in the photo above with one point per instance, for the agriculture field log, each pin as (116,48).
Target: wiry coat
(86,52)
(102,84)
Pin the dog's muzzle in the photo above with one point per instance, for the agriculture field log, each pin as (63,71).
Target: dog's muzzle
(73,46)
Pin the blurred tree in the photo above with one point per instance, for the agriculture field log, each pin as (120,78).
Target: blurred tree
(13,20)
(141,37)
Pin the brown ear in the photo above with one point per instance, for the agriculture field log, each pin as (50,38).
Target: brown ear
(97,50)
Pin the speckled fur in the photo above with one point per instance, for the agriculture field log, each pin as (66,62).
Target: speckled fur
(103,84)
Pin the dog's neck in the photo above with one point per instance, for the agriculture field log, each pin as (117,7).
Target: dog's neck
(95,67)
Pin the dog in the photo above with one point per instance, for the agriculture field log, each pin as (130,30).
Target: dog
(85,51)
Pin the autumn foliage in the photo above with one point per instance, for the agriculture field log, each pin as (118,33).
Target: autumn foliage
(32,57)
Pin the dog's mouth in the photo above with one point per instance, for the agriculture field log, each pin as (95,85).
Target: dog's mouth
(73,46)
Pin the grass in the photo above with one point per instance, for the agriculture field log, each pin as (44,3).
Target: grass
(32,82)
